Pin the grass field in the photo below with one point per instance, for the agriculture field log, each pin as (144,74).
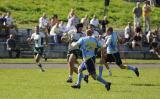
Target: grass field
(33,84)
(30,60)
(26,12)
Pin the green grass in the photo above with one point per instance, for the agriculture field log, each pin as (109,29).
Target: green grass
(33,84)
(27,13)
(30,60)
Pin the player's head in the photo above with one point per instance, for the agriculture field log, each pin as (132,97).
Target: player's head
(138,4)
(89,32)
(36,28)
(109,31)
(79,27)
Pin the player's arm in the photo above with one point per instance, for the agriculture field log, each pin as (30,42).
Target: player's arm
(107,43)
(78,43)
(30,39)
(133,11)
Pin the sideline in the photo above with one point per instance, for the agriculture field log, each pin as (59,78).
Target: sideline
(28,66)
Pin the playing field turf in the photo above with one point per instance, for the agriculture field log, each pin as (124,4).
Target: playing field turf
(32,84)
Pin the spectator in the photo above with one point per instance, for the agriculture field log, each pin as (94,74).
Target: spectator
(146,15)
(54,20)
(94,21)
(11,46)
(137,11)
(9,23)
(149,37)
(104,23)
(62,27)
(85,21)
(43,23)
(128,32)
(71,23)
(2,22)
(71,13)
(55,33)
(154,44)
(137,39)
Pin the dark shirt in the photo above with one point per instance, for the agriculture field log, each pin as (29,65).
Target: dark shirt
(137,38)
(11,43)
(2,20)
(104,23)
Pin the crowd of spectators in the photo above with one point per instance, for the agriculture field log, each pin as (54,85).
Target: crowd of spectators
(7,23)
(135,36)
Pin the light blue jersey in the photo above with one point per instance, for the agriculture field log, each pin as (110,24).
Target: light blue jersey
(112,43)
(88,45)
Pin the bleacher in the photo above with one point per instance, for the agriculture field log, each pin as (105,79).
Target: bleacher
(60,50)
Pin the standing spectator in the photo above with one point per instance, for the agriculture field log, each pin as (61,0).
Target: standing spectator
(146,16)
(9,23)
(71,13)
(104,23)
(62,27)
(53,20)
(128,32)
(2,22)
(137,11)
(94,21)
(71,23)
(85,22)
(55,33)
(11,46)
(43,23)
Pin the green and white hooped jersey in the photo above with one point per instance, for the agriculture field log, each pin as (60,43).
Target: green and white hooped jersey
(38,39)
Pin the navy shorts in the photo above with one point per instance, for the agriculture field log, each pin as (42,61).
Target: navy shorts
(115,57)
(89,65)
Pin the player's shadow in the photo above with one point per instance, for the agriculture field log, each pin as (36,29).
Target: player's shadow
(145,84)
(120,76)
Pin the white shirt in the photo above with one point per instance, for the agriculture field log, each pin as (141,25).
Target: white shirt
(62,28)
(54,30)
(9,20)
(38,39)
(74,36)
(127,32)
(85,22)
(70,22)
(70,28)
(95,34)
(94,22)
(43,22)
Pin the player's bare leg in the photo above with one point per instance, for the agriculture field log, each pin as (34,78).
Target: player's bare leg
(37,59)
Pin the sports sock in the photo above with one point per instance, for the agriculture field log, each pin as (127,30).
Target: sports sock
(79,78)
(70,76)
(100,70)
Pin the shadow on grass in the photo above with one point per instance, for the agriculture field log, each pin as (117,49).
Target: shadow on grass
(145,84)
(120,76)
